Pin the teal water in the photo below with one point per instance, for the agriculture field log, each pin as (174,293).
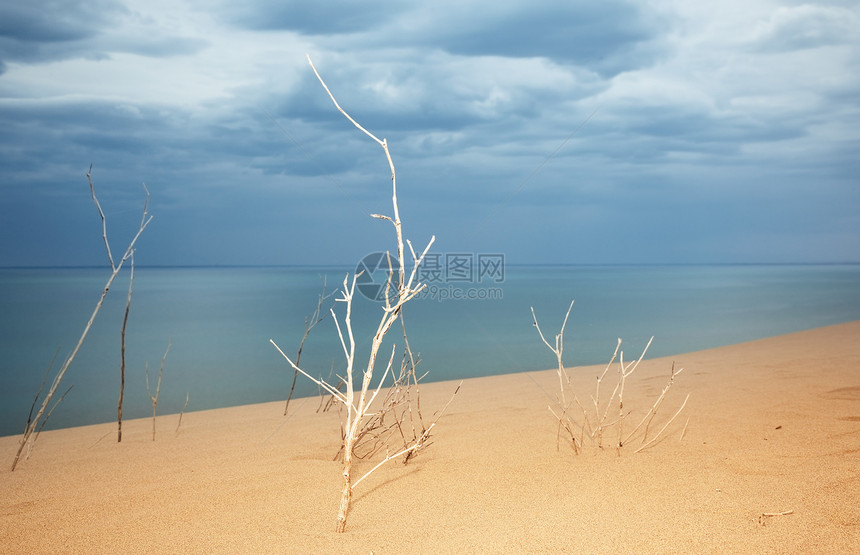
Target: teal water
(219,321)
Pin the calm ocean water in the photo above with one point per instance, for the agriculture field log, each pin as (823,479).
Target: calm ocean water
(219,321)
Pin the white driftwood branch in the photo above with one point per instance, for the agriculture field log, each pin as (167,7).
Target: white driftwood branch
(362,420)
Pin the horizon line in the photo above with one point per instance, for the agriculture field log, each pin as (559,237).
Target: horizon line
(352,265)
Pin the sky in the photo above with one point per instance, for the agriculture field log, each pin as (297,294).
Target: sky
(613,132)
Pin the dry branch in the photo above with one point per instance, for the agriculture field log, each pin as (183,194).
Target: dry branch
(310,323)
(122,350)
(146,218)
(564,419)
(369,424)
(663,429)
(41,388)
(154,398)
(47,417)
(594,422)
(762,519)
(185,406)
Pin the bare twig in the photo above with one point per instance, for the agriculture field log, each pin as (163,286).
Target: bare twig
(104,221)
(663,429)
(144,222)
(623,373)
(328,402)
(601,420)
(310,323)
(47,417)
(762,519)
(41,388)
(154,398)
(122,351)
(185,406)
(649,416)
(563,419)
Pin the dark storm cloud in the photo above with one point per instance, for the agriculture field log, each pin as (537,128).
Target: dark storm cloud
(50,30)
(36,32)
(695,135)
(56,20)
(609,37)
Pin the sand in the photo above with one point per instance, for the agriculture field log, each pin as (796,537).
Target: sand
(774,426)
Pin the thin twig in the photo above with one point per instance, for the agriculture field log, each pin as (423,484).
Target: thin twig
(48,416)
(185,406)
(102,215)
(154,398)
(122,350)
(41,388)
(653,441)
(652,412)
(310,323)
(762,519)
(564,419)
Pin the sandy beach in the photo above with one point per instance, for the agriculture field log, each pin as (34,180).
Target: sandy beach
(771,427)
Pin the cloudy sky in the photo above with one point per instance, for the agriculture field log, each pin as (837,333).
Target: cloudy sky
(658,131)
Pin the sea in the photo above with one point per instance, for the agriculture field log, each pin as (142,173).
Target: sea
(474,320)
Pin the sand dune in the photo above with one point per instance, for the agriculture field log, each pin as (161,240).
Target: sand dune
(774,426)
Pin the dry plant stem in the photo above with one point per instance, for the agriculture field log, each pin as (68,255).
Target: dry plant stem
(414,447)
(411,377)
(406,287)
(41,388)
(384,144)
(122,351)
(663,429)
(602,408)
(624,372)
(558,350)
(154,398)
(310,323)
(102,216)
(145,220)
(762,519)
(398,405)
(596,398)
(45,420)
(563,419)
(185,406)
(418,443)
(653,412)
(684,431)
(327,402)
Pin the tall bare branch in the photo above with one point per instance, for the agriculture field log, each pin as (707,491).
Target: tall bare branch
(146,218)
(361,420)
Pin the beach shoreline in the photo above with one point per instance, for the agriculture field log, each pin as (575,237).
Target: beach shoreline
(768,463)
